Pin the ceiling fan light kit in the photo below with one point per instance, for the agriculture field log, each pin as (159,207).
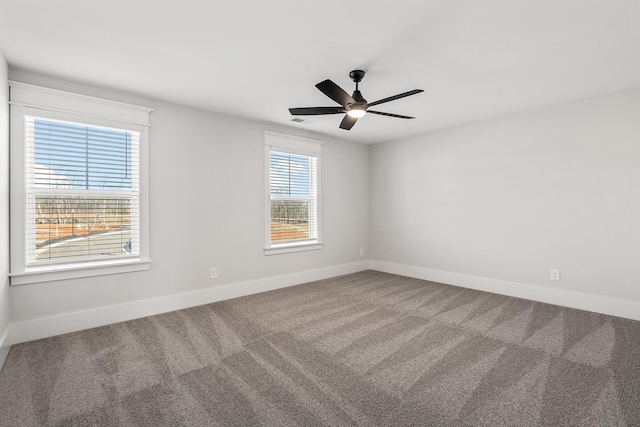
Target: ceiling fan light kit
(355,106)
(356,112)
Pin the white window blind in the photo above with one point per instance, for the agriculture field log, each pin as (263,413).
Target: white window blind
(82,192)
(294,197)
(293,193)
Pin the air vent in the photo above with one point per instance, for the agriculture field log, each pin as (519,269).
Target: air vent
(304,121)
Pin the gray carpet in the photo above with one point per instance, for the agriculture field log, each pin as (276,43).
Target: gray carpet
(364,349)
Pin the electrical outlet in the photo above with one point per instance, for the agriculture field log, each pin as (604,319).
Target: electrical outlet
(361,251)
(555,274)
(214,273)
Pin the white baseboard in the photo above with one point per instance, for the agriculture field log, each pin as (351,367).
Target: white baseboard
(70,322)
(589,302)
(5,345)
(30,330)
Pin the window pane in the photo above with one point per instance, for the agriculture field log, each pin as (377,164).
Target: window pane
(289,174)
(289,220)
(69,155)
(71,227)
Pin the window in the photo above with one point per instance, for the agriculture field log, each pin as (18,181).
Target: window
(82,192)
(79,180)
(292,194)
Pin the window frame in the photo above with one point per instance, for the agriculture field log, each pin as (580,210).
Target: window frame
(287,144)
(30,100)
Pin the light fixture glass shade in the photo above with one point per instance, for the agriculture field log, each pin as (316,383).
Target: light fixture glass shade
(356,113)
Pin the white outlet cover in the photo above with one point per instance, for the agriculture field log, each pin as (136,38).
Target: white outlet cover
(555,274)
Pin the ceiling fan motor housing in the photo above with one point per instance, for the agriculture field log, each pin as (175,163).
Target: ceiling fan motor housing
(360,101)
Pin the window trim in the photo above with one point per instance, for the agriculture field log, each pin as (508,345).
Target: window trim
(30,100)
(293,145)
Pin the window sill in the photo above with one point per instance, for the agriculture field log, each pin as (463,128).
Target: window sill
(286,248)
(74,271)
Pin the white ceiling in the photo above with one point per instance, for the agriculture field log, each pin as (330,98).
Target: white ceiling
(475,59)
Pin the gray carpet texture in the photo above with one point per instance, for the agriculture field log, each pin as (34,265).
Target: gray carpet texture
(365,349)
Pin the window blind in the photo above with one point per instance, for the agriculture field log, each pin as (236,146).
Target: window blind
(293,188)
(82,192)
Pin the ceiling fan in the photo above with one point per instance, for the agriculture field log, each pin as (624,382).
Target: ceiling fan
(355,106)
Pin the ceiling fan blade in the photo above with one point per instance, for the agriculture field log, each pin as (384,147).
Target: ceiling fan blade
(398,116)
(313,111)
(335,92)
(393,98)
(348,122)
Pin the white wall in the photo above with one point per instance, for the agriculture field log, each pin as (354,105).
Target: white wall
(5,340)
(509,199)
(206,210)
(492,205)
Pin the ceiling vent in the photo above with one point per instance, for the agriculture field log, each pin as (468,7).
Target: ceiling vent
(304,121)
